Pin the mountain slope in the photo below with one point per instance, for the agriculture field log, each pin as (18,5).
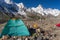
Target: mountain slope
(18,9)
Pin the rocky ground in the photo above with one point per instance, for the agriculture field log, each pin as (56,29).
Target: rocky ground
(48,25)
(45,30)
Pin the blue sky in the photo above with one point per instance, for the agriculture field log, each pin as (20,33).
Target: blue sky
(44,3)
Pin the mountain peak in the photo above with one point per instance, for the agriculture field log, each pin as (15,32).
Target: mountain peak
(20,5)
(8,1)
(19,8)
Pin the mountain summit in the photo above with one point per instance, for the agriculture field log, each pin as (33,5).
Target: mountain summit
(11,9)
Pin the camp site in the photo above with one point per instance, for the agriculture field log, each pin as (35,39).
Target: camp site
(29,20)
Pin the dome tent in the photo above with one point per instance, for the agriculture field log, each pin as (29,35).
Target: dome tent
(15,27)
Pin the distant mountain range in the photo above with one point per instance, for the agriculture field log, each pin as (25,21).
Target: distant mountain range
(13,9)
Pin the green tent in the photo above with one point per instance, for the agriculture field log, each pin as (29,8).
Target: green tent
(15,28)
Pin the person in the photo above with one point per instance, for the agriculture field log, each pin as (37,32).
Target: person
(32,31)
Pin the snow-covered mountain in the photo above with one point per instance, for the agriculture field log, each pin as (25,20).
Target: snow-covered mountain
(9,9)
(43,11)
(13,9)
